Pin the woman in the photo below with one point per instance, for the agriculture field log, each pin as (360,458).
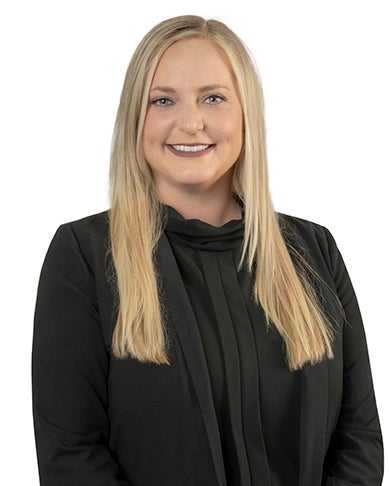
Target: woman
(191,335)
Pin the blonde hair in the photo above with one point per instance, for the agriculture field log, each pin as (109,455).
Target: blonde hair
(136,217)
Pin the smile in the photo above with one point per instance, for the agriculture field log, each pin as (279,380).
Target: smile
(187,150)
(190,148)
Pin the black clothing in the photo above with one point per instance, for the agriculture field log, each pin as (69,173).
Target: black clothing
(256,397)
(100,421)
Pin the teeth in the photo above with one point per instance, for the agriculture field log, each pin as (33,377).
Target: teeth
(190,148)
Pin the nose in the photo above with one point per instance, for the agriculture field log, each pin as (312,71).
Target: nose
(190,119)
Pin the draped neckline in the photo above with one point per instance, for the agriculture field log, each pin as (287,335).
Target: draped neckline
(200,235)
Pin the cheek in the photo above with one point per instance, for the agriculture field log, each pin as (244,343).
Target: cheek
(228,123)
(156,128)
(152,138)
(231,129)
(149,130)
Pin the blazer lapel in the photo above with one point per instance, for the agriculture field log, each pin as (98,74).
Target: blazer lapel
(181,313)
(314,404)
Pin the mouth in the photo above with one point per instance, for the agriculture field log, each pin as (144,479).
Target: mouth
(190,150)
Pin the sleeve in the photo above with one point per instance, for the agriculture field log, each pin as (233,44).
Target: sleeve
(355,454)
(69,373)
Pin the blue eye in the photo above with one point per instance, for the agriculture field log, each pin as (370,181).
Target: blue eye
(161,102)
(215,99)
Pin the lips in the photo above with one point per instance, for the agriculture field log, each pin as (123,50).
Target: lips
(190,150)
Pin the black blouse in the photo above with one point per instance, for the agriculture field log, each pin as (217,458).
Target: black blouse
(256,397)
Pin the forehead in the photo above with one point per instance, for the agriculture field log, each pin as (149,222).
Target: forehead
(199,60)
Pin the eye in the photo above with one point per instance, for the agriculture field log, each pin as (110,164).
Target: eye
(215,99)
(161,102)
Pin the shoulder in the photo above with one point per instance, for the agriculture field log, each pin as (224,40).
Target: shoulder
(312,240)
(309,230)
(89,228)
(87,238)
(92,226)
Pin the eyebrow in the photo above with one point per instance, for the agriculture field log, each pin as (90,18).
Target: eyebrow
(202,89)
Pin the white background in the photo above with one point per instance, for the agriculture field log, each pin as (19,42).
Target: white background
(325,72)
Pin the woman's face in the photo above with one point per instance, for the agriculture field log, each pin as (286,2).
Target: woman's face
(193,129)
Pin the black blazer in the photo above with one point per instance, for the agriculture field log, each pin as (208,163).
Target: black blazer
(100,421)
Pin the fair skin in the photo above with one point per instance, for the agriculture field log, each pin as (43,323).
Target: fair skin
(193,131)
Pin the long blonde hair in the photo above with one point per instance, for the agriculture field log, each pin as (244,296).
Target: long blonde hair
(136,217)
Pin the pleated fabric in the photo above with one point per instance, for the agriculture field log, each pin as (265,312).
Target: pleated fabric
(256,397)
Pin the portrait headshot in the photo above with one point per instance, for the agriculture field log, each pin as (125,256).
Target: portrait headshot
(203,223)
